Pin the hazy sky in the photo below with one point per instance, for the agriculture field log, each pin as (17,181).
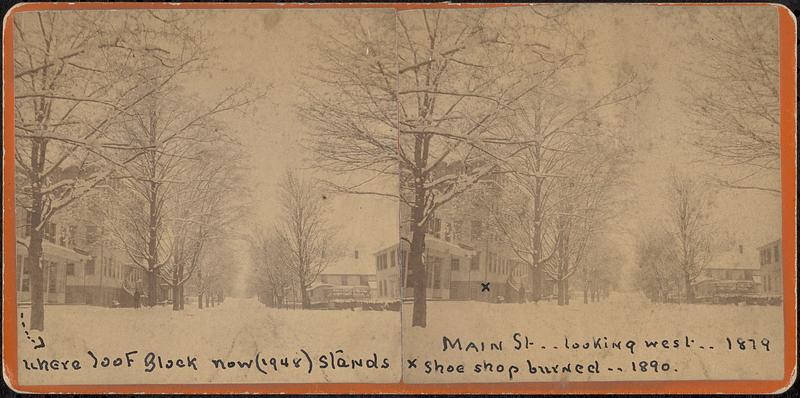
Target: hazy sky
(270,47)
(655,41)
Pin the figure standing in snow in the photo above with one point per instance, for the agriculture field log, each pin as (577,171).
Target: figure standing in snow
(136,298)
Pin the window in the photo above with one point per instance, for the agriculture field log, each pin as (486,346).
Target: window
(393,258)
(475,262)
(344,280)
(26,282)
(72,231)
(90,267)
(71,269)
(434,272)
(323,278)
(91,234)
(777,253)
(381,261)
(435,227)
(51,281)
(456,232)
(454,264)
(767,258)
(49,232)
(476,230)
(363,280)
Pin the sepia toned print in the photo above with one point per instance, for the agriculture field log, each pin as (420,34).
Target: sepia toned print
(595,181)
(169,204)
(537,193)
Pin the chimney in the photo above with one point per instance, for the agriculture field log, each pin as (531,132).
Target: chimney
(355,254)
(741,249)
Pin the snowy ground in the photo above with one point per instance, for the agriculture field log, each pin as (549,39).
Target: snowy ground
(240,329)
(621,317)
(235,331)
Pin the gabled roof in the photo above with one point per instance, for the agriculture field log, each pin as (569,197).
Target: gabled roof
(349,265)
(733,259)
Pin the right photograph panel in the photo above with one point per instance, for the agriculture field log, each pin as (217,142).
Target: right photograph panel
(590,193)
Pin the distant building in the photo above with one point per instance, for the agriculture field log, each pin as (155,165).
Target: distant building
(734,273)
(771,266)
(349,279)
(461,253)
(80,267)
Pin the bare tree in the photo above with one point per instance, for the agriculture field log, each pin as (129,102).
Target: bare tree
(734,100)
(306,236)
(181,136)
(559,185)
(206,207)
(600,272)
(658,274)
(269,257)
(77,77)
(441,80)
(690,203)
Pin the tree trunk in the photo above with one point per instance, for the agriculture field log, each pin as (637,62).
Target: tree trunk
(38,153)
(152,288)
(536,277)
(566,291)
(689,289)
(305,301)
(176,305)
(152,225)
(200,287)
(586,292)
(182,297)
(208,299)
(419,274)
(36,280)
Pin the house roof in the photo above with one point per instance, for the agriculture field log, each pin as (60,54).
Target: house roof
(733,259)
(50,250)
(349,265)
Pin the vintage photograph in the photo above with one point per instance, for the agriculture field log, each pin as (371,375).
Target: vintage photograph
(591,173)
(530,193)
(170,198)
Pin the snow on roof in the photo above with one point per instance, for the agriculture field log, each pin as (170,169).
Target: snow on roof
(734,259)
(58,251)
(447,246)
(350,265)
(316,285)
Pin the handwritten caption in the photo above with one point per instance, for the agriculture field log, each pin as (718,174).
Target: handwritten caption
(640,355)
(153,362)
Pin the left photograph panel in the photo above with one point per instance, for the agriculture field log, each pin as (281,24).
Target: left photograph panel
(181,215)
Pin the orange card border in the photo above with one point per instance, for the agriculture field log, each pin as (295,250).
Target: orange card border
(788,142)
